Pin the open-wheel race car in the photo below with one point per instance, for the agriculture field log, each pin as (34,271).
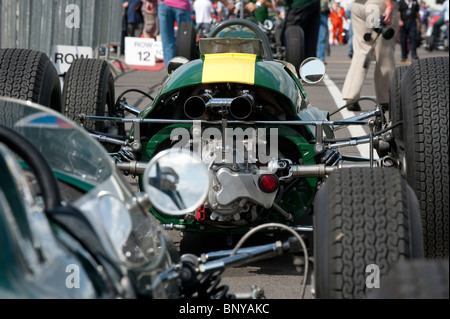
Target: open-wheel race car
(272,155)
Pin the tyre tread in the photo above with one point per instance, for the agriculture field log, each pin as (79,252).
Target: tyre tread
(367,224)
(82,93)
(22,76)
(426,115)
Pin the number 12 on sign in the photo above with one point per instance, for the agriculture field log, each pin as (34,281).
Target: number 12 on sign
(140,51)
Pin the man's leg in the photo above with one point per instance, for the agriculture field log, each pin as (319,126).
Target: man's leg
(357,73)
(166,27)
(385,65)
(413,39)
(403,42)
(350,33)
(138,29)
(309,20)
(323,36)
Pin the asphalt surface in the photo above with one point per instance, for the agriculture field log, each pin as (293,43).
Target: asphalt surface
(277,276)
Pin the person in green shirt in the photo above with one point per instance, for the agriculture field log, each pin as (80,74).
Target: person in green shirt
(306,14)
(262,13)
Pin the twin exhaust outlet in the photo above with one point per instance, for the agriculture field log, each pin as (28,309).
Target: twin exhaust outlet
(239,107)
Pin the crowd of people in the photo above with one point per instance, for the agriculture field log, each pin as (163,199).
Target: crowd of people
(325,23)
(413,22)
(331,24)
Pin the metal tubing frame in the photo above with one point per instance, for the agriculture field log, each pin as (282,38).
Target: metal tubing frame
(319,145)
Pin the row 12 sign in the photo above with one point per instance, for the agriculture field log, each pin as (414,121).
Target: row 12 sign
(142,51)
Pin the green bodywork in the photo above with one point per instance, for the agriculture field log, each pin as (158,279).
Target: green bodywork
(22,247)
(270,75)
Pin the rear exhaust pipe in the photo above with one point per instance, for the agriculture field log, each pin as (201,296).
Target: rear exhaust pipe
(242,106)
(195,106)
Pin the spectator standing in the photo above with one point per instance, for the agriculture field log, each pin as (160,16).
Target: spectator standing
(262,10)
(169,12)
(409,16)
(150,13)
(437,26)
(348,13)
(203,16)
(135,20)
(124,28)
(323,29)
(384,52)
(337,16)
(222,12)
(306,14)
(424,14)
(444,13)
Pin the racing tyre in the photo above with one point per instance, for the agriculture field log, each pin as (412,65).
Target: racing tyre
(89,89)
(366,219)
(395,103)
(278,35)
(295,45)
(29,75)
(416,279)
(186,41)
(429,43)
(425,91)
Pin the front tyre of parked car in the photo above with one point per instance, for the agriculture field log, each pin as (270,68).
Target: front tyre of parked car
(29,75)
(89,89)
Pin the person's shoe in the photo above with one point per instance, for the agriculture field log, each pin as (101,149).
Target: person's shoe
(415,57)
(403,59)
(350,55)
(385,106)
(354,106)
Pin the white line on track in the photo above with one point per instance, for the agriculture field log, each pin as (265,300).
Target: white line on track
(355,130)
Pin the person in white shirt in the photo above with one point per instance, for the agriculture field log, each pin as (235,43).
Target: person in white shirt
(203,16)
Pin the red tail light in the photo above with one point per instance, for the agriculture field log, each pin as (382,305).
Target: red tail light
(269,183)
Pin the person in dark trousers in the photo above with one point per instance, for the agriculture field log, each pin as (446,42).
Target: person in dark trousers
(124,29)
(306,14)
(135,20)
(408,22)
